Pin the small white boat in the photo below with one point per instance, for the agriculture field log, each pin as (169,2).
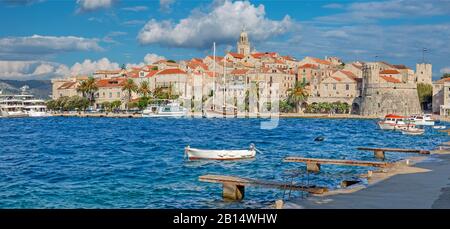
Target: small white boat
(413,131)
(394,122)
(202,154)
(172,109)
(422,120)
(439,127)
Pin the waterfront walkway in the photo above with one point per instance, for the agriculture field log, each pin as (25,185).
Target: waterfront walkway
(428,187)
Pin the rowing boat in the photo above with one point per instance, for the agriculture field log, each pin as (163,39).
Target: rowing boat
(204,154)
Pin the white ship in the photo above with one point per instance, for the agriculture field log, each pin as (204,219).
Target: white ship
(23,105)
(171,109)
(422,120)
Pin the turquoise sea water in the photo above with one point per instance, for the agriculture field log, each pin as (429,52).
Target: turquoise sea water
(138,163)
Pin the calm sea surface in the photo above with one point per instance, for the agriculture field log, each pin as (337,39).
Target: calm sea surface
(138,163)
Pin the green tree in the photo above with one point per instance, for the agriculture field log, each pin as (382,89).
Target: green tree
(143,103)
(425,92)
(106,106)
(445,75)
(88,88)
(285,106)
(129,86)
(116,104)
(171,61)
(144,89)
(297,94)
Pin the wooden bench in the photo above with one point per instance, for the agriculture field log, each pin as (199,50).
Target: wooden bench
(380,152)
(234,187)
(313,164)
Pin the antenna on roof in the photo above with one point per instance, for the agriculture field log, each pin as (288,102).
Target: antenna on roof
(423,54)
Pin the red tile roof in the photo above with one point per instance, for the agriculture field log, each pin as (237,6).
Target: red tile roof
(288,58)
(390,79)
(320,61)
(171,71)
(67,85)
(236,55)
(337,78)
(114,82)
(390,71)
(239,71)
(108,71)
(443,80)
(309,66)
(400,66)
(349,74)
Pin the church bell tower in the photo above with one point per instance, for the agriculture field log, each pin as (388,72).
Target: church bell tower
(243,45)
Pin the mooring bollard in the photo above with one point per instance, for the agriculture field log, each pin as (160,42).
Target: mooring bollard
(233,192)
(279,204)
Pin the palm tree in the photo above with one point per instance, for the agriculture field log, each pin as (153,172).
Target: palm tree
(297,94)
(129,86)
(88,88)
(144,89)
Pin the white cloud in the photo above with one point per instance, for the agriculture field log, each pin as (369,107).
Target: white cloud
(109,38)
(445,70)
(151,58)
(136,8)
(88,66)
(333,6)
(45,70)
(21,2)
(133,22)
(92,5)
(165,5)
(26,69)
(371,11)
(222,25)
(11,47)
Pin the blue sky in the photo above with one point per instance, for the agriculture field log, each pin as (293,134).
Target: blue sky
(50,38)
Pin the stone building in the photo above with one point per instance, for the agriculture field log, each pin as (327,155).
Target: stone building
(384,94)
(243,45)
(441,96)
(424,73)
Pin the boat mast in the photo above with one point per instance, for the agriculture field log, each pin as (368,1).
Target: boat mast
(214,75)
(223,81)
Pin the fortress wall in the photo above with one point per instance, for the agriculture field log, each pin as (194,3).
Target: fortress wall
(399,99)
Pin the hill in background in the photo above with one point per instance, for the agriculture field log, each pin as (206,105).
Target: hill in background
(39,88)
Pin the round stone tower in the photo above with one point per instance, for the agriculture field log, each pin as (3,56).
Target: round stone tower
(381,97)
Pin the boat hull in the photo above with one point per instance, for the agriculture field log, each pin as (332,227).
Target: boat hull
(413,132)
(198,154)
(168,115)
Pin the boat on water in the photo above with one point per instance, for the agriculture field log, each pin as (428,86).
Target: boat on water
(413,131)
(11,107)
(204,154)
(225,112)
(23,105)
(170,109)
(439,127)
(395,122)
(422,120)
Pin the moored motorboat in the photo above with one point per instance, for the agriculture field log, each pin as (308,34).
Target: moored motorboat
(413,131)
(204,154)
(439,127)
(422,120)
(394,122)
(171,109)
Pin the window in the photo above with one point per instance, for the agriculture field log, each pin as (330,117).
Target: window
(334,86)
(103,94)
(118,94)
(110,95)
(347,87)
